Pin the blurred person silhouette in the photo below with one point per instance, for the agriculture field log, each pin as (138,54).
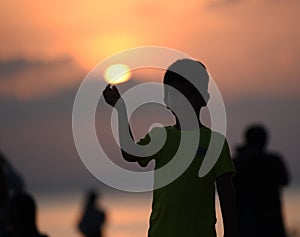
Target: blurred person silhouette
(22,215)
(4,200)
(14,181)
(258,182)
(186,206)
(93,217)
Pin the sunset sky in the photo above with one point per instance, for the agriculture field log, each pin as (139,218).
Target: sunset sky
(251,49)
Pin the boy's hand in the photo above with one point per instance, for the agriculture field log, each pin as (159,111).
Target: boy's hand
(111,95)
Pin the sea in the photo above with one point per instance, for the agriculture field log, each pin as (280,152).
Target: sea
(128,214)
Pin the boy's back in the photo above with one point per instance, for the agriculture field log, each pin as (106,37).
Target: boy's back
(185,207)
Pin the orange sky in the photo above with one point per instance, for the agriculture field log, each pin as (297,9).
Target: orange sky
(248,46)
(251,48)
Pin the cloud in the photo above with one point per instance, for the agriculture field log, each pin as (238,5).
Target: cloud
(8,68)
(222,3)
(31,79)
(227,3)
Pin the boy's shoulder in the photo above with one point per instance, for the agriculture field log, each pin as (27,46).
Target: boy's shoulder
(207,135)
(203,129)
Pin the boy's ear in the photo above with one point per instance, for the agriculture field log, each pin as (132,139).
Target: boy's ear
(206,99)
(166,91)
(166,101)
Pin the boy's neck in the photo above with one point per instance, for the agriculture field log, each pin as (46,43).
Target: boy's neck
(177,125)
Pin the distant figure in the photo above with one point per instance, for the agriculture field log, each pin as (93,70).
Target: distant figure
(259,178)
(22,215)
(93,218)
(4,198)
(14,181)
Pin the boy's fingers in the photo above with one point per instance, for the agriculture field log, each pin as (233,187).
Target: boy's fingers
(115,89)
(107,87)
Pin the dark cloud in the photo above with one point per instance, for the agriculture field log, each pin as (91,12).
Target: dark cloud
(222,3)
(228,3)
(19,65)
(34,79)
(37,135)
(8,68)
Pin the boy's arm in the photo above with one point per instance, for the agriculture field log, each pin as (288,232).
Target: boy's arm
(127,143)
(227,203)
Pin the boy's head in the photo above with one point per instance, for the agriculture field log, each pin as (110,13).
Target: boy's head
(190,78)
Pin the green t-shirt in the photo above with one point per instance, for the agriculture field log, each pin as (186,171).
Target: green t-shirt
(186,207)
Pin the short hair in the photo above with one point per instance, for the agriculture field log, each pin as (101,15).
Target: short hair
(188,71)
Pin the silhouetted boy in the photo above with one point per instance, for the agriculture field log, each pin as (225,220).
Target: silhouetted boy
(185,207)
(258,181)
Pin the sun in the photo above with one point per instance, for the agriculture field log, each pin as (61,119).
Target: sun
(117,73)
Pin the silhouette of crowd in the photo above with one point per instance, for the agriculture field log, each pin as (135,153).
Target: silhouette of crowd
(17,208)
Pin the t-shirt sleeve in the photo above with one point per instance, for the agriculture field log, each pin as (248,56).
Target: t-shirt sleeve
(143,142)
(224,164)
